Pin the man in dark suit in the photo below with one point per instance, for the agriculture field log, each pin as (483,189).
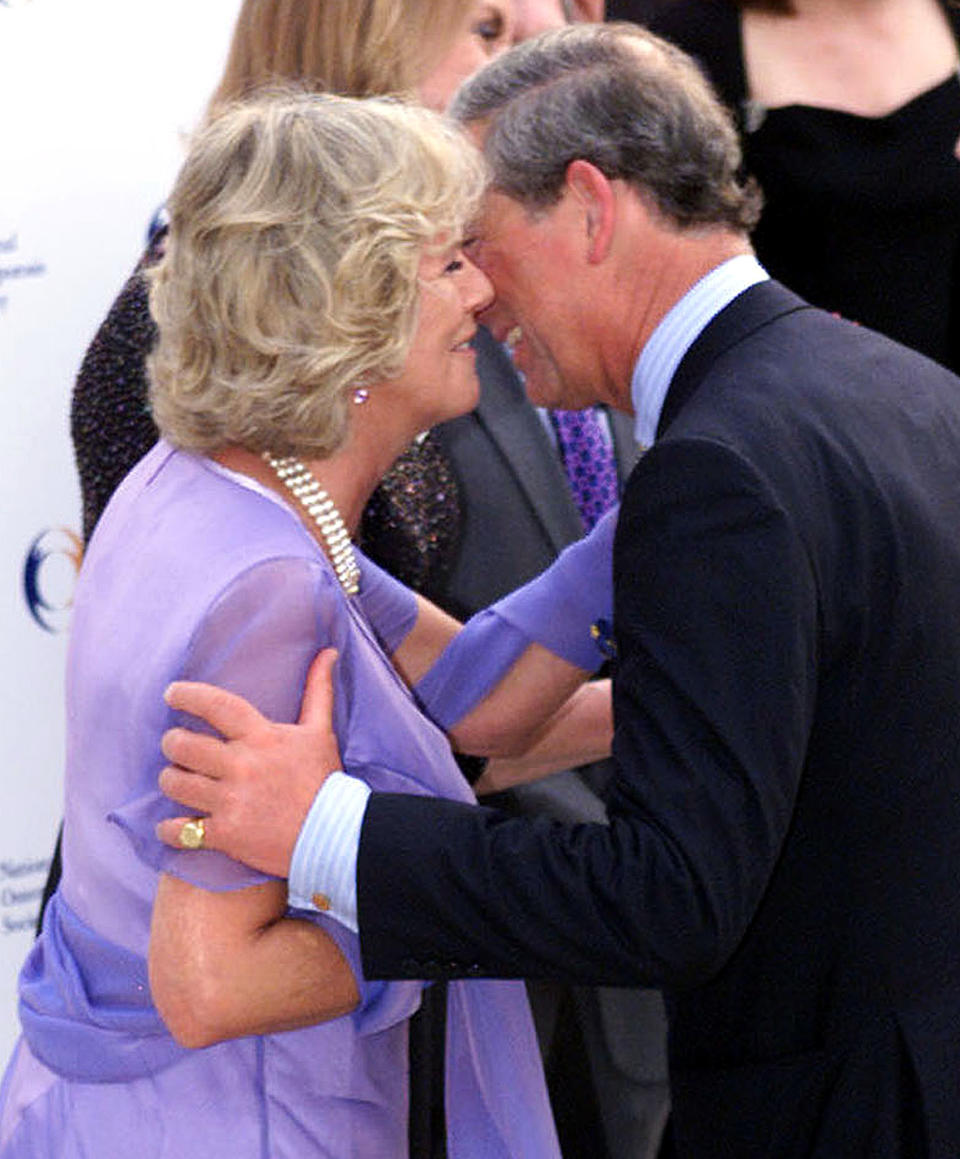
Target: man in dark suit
(785,823)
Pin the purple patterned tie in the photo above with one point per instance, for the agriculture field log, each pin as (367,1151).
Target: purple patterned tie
(588,462)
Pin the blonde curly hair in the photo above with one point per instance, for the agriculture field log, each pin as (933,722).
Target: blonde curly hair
(297,224)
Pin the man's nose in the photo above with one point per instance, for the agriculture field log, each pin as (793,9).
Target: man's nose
(481,289)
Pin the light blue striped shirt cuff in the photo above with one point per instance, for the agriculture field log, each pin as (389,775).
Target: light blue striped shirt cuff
(323,869)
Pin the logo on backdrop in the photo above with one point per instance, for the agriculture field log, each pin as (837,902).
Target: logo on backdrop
(49,576)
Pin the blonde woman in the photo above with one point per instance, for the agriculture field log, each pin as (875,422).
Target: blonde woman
(411,523)
(314,312)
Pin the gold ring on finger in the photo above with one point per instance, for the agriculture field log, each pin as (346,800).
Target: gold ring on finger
(192,833)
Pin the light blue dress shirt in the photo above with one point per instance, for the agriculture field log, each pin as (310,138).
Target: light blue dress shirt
(324,863)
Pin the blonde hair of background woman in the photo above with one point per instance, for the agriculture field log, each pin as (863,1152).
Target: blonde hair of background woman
(351,47)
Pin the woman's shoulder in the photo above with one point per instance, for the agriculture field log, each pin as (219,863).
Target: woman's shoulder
(181,514)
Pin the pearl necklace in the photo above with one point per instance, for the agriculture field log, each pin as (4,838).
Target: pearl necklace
(319,506)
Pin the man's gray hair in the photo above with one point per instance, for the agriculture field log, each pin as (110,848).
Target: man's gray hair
(621,98)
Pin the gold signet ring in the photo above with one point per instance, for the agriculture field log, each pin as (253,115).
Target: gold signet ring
(192,834)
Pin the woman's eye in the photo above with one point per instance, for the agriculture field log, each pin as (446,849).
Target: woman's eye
(490,29)
(454,266)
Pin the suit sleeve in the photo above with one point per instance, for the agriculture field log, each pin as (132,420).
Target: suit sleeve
(716,626)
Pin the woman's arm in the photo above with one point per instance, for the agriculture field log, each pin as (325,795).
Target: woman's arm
(581,731)
(494,691)
(224,965)
(233,779)
(493,683)
(224,958)
(513,717)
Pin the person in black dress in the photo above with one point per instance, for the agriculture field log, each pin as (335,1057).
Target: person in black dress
(849,117)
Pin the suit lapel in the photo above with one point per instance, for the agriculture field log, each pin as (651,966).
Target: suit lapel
(626,450)
(749,311)
(516,429)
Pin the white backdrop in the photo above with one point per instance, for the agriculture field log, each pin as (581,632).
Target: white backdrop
(96,96)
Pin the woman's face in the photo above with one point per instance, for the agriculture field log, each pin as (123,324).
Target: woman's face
(488,32)
(439,379)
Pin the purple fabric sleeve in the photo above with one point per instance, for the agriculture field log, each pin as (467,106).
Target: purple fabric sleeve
(472,663)
(562,606)
(257,640)
(567,609)
(389,606)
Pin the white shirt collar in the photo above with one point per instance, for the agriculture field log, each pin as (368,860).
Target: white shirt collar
(676,333)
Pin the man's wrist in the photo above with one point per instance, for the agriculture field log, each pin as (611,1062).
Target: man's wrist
(323,868)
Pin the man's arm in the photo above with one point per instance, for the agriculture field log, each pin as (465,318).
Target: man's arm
(257,781)
(714,695)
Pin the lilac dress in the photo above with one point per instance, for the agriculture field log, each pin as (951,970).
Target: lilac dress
(194,572)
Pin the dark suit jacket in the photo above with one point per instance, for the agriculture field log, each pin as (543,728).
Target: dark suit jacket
(784,853)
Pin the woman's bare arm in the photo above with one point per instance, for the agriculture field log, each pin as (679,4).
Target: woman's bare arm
(228,964)
(514,713)
(581,731)
(419,650)
(495,682)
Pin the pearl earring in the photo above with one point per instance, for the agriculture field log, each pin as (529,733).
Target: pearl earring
(360,395)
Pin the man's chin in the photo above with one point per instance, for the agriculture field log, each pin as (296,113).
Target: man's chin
(545,391)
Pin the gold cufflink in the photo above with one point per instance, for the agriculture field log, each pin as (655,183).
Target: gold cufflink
(321,902)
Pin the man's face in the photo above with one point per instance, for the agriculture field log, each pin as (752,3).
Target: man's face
(530,260)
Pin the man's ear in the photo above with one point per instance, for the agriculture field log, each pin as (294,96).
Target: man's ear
(595,193)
